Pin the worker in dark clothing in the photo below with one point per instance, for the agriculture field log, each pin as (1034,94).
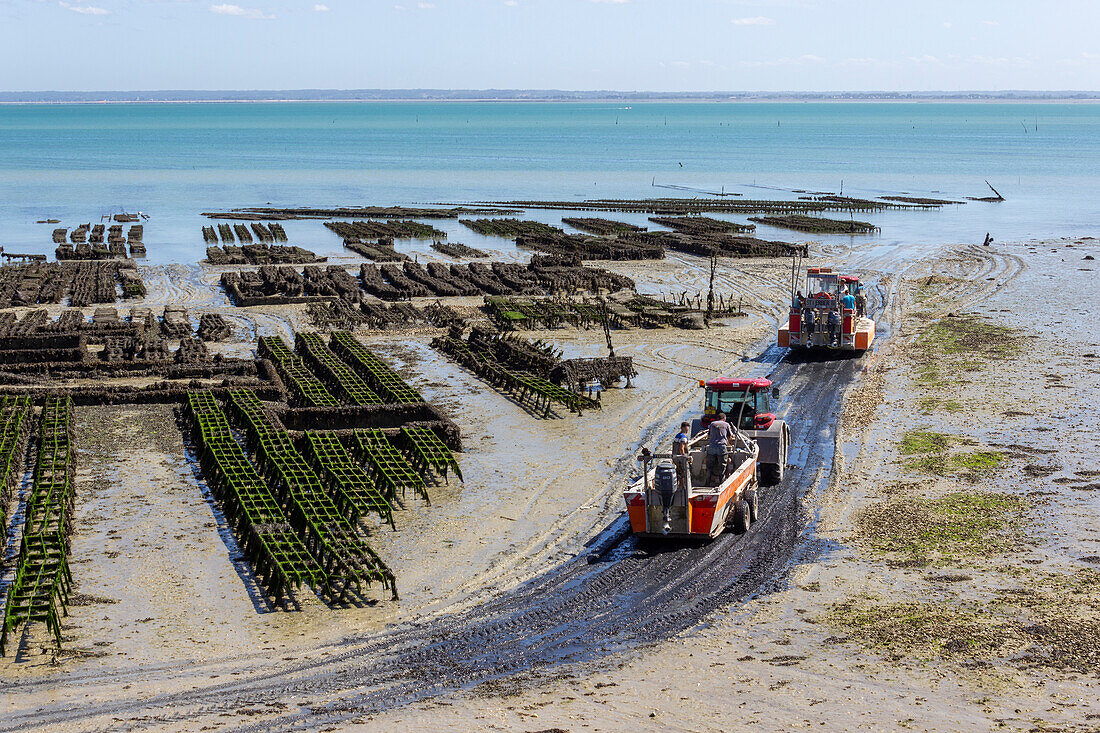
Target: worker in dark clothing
(861,301)
(718,441)
(809,324)
(834,328)
(680,455)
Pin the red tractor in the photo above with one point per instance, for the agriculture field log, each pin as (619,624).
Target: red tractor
(747,404)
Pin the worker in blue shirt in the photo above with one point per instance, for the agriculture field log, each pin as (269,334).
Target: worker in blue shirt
(849,301)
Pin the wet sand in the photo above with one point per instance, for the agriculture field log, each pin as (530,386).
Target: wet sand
(788,660)
(161,579)
(148,538)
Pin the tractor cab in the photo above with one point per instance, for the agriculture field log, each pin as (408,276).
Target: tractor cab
(746,402)
(749,406)
(825,288)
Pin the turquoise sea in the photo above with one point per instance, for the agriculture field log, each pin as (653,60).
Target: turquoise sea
(174,161)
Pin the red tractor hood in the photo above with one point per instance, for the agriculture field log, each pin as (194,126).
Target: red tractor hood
(752,385)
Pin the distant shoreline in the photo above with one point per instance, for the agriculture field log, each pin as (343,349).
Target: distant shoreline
(604,97)
(940,100)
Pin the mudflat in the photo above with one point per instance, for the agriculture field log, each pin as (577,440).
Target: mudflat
(929,562)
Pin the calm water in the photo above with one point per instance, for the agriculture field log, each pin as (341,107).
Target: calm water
(173,161)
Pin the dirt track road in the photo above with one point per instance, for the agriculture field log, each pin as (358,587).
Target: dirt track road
(621,597)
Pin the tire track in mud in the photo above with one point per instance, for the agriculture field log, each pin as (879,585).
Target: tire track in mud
(974,274)
(573,614)
(991,272)
(664,409)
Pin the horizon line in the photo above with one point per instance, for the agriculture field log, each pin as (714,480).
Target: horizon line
(518,94)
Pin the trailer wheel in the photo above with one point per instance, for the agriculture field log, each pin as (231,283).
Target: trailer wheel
(752,499)
(742,517)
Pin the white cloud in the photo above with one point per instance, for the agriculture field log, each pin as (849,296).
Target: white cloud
(511,3)
(990,22)
(85,9)
(425,6)
(238,11)
(319,8)
(1001,61)
(757,20)
(802,60)
(861,61)
(775,3)
(610,2)
(946,24)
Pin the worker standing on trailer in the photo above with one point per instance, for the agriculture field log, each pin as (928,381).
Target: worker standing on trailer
(834,326)
(849,301)
(798,300)
(680,453)
(718,441)
(861,300)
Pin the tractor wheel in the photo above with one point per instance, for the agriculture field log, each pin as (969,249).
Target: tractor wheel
(742,517)
(771,474)
(753,500)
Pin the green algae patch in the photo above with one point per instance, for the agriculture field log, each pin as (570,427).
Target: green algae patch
(948,529)
(975,338)
(979,461)
(918,442)
(930,405)
(926,451)
(953,346)
(930,452)
(929,376)
(919,629)
(1050,621)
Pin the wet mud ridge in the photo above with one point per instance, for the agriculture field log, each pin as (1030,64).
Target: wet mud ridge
(620,596)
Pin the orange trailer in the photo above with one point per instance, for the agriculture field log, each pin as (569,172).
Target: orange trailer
(672,499)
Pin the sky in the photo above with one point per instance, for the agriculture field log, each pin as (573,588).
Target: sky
(626,45)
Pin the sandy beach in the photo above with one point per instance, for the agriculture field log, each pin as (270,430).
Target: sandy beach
(937,541)
(886,620)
